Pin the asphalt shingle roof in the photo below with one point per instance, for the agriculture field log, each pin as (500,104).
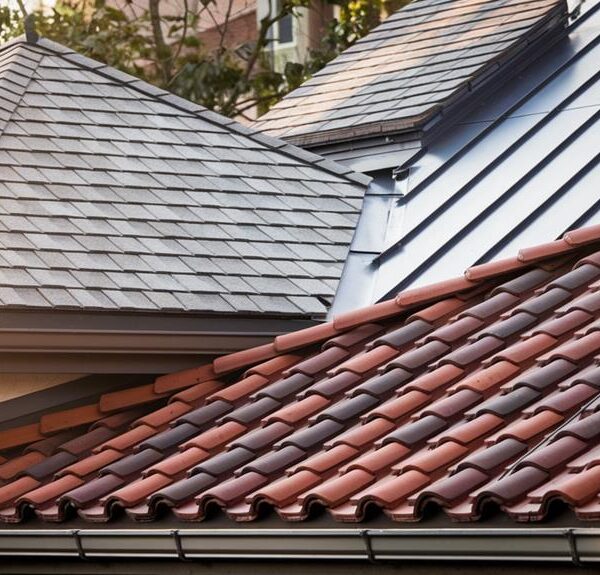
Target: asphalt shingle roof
(422,59)
(477,390)
(117,195)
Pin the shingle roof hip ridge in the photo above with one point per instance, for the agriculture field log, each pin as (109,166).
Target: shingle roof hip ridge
(201,111)
(22,88)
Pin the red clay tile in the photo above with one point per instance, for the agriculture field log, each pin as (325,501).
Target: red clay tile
(362,435)
(390,491)
(351,338)
(455,404)
(487,378)
(544,251)
(450,490)
(299,411)
(431,460)
(379,459)
(583,235)
(50,491)
(128,439)
(374,313)
(559,326)
(433,291)
(305,337)
(494,268)
(439,310)
(524,283)
(579,489)
(286,490)
(20,436)
(470,431)
(328,460)
(10,468)
(491,307)
(366,362)
(452,333)
(69,418)
(119,420)
(435,380)
(217,436)
(119,400)
(242,388)
(274,366)
(183,379)
(178,463)
(593,259)
(234,490)
(193,394)
(92,463)
(398,408)
(576,350)
(337,490)
(526,429)
(13,490)
(565,400)
(245,358)
(164,415)
(512,487)
(137,491)
(527,350)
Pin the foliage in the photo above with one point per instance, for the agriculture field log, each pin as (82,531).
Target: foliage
(169,51)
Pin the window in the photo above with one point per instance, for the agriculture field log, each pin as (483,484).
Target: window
(283,30)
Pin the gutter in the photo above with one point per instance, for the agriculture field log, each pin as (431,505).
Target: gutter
(579,546)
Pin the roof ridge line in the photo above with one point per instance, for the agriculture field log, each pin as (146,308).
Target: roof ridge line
(15,45)
(200,111)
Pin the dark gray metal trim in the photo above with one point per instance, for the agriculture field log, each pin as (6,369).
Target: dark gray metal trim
(67,342)
(492,545)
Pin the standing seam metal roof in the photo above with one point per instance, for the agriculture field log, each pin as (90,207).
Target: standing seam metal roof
(521,168)
(115,195)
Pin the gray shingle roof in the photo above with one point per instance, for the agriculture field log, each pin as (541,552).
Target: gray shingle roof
(523,169)
(420,61)
(117,195)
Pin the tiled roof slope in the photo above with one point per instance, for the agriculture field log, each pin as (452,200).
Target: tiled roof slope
(117,195)
(420,60)
(479,391)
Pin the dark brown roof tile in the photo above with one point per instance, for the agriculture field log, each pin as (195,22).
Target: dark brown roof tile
(285,387)
(493,457)
(404,335)
(262,437)
(452,333)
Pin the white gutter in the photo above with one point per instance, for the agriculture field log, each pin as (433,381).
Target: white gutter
(580,546)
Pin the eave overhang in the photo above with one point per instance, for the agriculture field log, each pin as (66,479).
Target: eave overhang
(80,342)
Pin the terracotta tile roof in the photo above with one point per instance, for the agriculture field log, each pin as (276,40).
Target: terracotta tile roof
(464,395)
